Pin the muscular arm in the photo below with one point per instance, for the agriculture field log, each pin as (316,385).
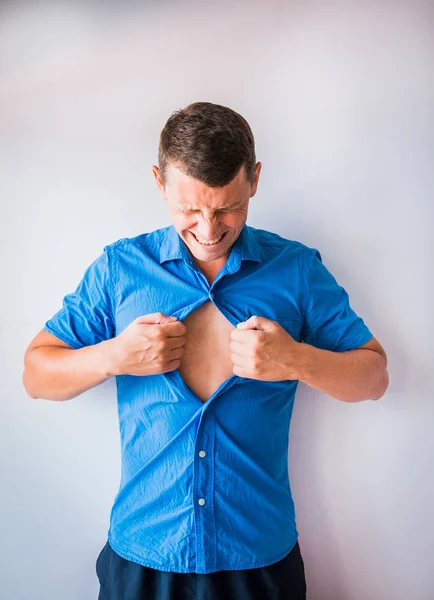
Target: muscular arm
(350,376)
(55,371)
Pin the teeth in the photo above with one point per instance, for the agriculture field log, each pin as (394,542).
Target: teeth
(208,242)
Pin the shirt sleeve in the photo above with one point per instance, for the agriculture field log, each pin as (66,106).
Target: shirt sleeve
(86,316)
(330,323)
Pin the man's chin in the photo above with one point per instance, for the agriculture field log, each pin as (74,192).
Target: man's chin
(207,256)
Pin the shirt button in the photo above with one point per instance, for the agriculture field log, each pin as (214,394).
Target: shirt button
(202,453)
(201,501)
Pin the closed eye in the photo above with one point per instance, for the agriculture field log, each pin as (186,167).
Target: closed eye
(219,211)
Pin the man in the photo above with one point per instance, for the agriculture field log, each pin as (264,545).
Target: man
(207,325)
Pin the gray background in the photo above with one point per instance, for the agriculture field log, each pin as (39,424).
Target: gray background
(340,99)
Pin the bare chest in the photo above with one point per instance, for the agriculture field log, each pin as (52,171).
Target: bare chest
(206,362)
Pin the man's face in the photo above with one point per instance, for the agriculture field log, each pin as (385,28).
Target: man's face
(208,220)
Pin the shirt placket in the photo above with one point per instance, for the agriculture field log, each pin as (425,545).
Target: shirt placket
(203,494)
(203,472)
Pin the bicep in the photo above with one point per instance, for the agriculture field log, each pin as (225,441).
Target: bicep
(374,345)
(45,338)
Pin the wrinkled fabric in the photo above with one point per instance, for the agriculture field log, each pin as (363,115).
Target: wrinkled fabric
(204,486)
(122,579)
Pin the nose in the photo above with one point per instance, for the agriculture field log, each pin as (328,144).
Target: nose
(208,229)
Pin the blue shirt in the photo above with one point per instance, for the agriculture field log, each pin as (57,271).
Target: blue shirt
(204,486)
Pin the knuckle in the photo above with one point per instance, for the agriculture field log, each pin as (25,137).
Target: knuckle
(151,332)
(158,333)
(160,346)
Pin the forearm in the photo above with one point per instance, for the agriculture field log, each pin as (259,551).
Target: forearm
(350,376)
(56,373)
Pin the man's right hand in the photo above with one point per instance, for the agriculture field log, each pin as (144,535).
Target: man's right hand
(151,344)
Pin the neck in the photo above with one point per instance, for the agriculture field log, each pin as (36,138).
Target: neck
(210,268)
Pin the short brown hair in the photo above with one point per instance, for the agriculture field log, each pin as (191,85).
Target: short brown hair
(209,142)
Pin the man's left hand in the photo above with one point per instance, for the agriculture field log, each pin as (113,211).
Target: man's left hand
(262,349)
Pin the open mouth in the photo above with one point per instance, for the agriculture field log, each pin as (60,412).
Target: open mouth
(210,245)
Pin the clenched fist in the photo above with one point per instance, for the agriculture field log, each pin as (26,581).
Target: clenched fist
(262,349)
(151,344)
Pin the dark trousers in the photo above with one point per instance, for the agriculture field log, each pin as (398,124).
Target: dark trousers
(122,579)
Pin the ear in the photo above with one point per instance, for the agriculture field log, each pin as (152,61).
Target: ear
(159,181)
(256,178)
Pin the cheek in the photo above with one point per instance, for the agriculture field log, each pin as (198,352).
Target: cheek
(184,221)
(234,221)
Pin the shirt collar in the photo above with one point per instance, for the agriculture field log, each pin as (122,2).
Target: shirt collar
(246,247)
